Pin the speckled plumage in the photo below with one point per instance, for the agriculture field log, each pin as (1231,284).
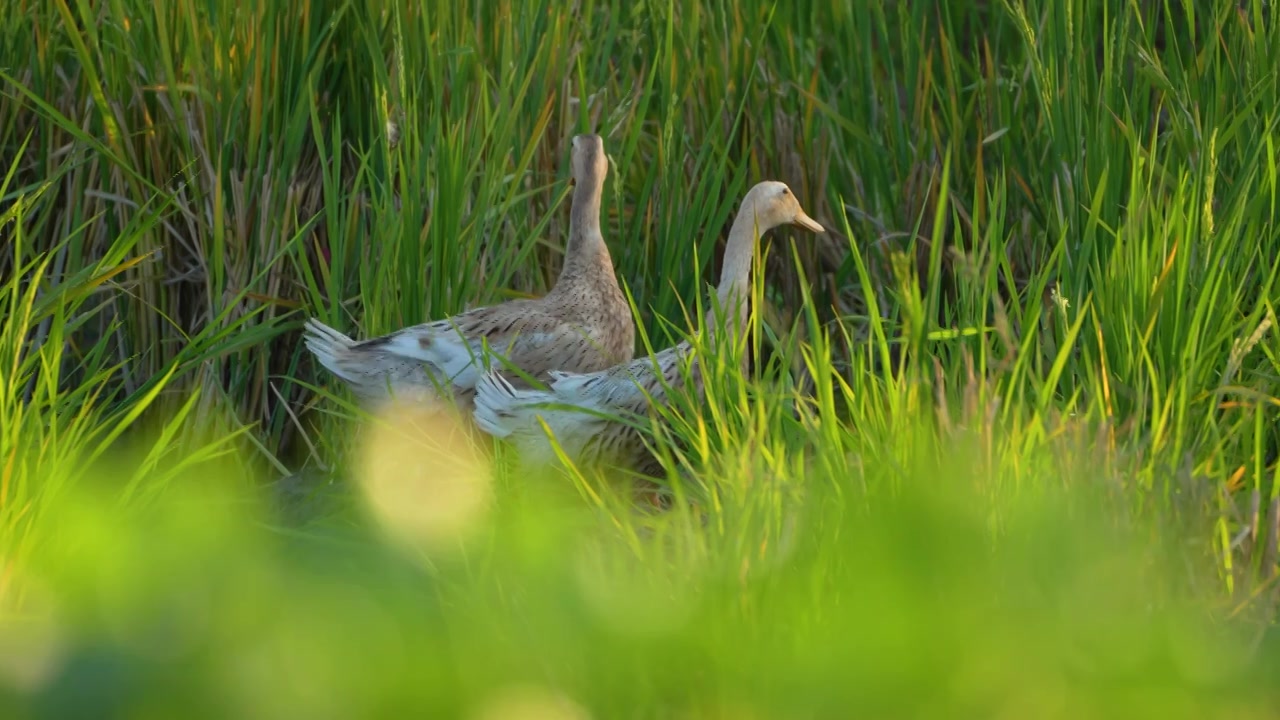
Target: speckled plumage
(583,324)
(583,409)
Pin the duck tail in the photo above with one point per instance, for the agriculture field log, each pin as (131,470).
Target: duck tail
(335,351)
(523,417)
(501,409)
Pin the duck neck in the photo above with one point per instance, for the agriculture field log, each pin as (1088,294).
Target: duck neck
(585,248)
(734,290)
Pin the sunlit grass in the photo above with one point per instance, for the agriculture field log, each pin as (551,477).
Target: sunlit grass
(1009,446)
(944,595)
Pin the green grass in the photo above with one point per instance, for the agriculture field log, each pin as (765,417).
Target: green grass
(1009,446)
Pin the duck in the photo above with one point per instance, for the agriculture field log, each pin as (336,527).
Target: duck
(583,324)
(593,415)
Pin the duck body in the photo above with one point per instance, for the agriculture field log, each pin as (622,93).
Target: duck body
(592,415)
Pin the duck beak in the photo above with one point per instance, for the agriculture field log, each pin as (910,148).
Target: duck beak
(808,223)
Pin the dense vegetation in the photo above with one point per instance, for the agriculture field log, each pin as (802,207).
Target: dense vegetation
(1008,446)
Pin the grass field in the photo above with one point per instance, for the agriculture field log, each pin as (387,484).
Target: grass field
(1009,447)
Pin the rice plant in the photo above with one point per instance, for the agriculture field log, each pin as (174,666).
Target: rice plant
(1009,442)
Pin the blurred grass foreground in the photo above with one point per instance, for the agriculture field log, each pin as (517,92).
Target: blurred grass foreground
(1008,447)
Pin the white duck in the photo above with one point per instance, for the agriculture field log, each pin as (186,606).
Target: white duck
(583,324)
(582,409)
